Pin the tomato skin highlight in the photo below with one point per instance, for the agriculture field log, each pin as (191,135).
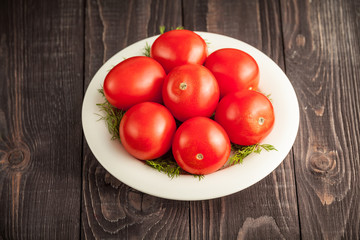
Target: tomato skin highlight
(201,146)
(235,70)
(134,80)
(247,116)
(178,47)
(147,130)
(190,91)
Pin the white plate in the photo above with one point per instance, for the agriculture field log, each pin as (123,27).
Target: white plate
(255,167)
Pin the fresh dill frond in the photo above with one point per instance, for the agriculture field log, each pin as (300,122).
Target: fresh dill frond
(162,29)
(240,152)
(147,49)
(268,147)
(112,116)
(207,42)
(269,97)
(166,164)
(200,177)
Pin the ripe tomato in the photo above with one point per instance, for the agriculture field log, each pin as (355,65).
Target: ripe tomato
(147,130)
(201,146)
(190,91)
(234,70)
(134,80)
(247,116)
(179,47)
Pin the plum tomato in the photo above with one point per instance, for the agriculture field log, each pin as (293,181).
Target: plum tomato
(134,80)
(147,130)
(247,116)
(234,70)
(201,146)
(178,47)
(190,91)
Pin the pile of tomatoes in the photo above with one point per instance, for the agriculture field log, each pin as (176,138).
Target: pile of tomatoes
(171,97)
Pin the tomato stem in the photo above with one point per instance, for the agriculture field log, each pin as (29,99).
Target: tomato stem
(199,156)
(261,120)
(183,86)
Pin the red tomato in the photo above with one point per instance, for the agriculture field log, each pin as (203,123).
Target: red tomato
(234,70)
(147,130)
(201,146)
(134,80)
(179,47)
(190,91)
(247,116)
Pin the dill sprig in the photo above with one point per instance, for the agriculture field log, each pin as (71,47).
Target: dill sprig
(200,177)
(162,29)
(112,116)
(147,49)
(240,152)
(166,164)
(268,96)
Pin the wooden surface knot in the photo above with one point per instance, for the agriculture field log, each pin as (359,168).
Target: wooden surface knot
(321,164)
(251,228)
(300,40)
(17,157)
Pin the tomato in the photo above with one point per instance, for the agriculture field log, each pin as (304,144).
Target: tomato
(178,47)
(234,70)
(134,80)
(247,116)
(190,91)
(146,130)
(201,146)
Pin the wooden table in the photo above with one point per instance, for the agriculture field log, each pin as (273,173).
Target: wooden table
(51,185)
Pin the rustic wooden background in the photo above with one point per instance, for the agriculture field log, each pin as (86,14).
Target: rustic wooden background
(52,187)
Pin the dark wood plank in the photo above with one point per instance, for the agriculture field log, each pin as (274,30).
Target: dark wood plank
(322,49)
(41,76)
(267,210)
(110,208)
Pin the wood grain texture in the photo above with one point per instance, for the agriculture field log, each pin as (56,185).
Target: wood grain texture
(116,211)
(267,210)
(112,210)
(40,132)
(321,41)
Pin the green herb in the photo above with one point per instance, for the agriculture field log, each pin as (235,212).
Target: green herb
(166,164)
(199,176)
(240,152)
(162,29)
(147,49)
(207,42)
(112,116)
(269,97)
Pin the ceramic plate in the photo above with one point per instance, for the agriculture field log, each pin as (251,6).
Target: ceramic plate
(255,167)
